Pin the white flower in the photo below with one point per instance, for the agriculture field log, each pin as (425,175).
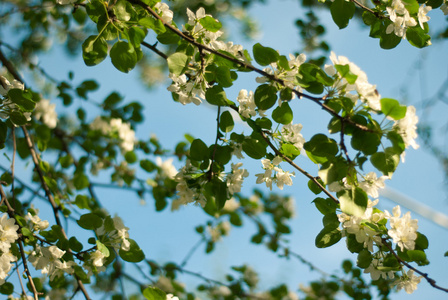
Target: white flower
(231,205)
(283,178)
(408,281)
(407,128)
(371,184)
(374,269)
(97,258)
(48,259)
(167,168)
(164,10)
(37,223)
(171,297)
(247,104)
(46,113)
(422,17)
(6,260)
(291,134)
(116,128)
(8,232)
(5,85)
(188,91)
(236,178)
(403,230)
(237,149)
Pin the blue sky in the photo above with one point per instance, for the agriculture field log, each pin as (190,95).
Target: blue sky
(168,236)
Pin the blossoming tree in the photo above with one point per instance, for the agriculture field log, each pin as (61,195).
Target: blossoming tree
(365,131)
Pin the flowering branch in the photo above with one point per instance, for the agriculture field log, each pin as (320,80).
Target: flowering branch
(287,159)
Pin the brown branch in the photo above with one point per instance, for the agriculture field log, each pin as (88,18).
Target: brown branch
(11,213)
(431,281)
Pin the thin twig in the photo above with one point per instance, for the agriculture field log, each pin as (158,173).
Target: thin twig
(431,281)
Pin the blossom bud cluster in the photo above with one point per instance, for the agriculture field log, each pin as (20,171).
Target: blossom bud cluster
(116,128)
(401,19)
(8,236)
(280,177)
(216,232)
(49,260)
(288,76)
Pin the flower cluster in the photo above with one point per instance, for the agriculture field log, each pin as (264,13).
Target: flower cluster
(358,83)
(50,261)
(46,113)
(235,178)
(401,19)
(403,229)
(280,177)
(247,105)
(216,232)
(291,134)
(289,76)
(8,236)
(188,193)
(164,11)
(116,237)
(116,128)
(369,183)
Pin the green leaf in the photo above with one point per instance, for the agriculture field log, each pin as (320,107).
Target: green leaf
(328,237)
(223,76)
(18,118)
(147,165)
(353,201)
(226,122)
(199,150)
(322,146)
(365,141)
(385,162)
(325,206)
(94,50)
(80,181)
(345,72)
(124,56)
(333,171)
(23,99)
(393,109)
(154,293)
(289,150)
(418,256)
(120,10)
(102,248)
(265,96)
(411,5)
(264,55)
(136,36)
(210,23)
(388,41)
(217,96)
(134,255)
(7,288)
(219,189)
(282,114)
(417,37)
(90,221)
(341,12)
(421,242)
(178,63)
(364,259)
(255,148)
(74,244)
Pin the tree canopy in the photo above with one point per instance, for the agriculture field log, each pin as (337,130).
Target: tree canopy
(62,147)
